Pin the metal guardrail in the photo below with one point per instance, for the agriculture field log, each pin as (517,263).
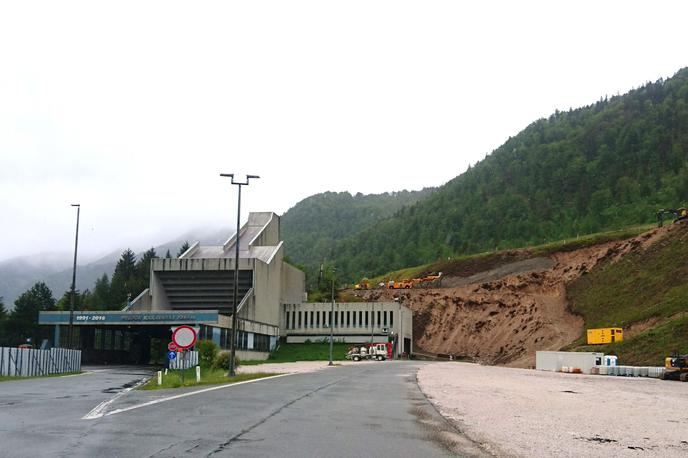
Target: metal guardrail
(29,362)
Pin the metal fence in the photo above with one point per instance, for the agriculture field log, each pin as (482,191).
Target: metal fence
(28,362)
(184,360)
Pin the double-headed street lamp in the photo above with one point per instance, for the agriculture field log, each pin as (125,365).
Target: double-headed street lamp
(232,368)
(71,301)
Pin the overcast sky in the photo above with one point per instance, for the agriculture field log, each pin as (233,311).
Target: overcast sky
(133,108)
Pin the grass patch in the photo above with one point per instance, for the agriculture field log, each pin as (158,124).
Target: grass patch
(289,353)
(649,284)
(6,378)
(178,379)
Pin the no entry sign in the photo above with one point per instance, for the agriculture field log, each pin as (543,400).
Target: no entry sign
(184,337)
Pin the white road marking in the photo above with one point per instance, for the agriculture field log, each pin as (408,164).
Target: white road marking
(99,411)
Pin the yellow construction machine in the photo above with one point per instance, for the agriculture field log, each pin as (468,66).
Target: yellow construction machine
(678,214)
(676,368)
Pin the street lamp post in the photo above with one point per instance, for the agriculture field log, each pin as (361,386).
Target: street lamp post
(232,368)
(71,301)
(332,321)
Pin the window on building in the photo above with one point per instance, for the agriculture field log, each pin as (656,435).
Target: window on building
(384,317)
(336,319)
(287,320)
(360,318)
(379,313)
(391,318)
(348,319)
(223,338)
(98,341)
(293,319)
(311,320)
(372,319)
(317,319)
(305,319)
(353,318)
(329,319)
(366,318)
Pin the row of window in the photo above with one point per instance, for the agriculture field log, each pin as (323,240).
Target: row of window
(356,319)
(261,342)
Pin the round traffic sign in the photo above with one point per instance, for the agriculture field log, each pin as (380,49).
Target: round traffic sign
(184,337)
(172,346)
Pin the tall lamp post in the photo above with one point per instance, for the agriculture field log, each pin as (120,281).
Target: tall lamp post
(71,301)
(332,320)
(232,368)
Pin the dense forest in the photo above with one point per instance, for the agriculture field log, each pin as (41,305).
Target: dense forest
(312,228)
(600,167)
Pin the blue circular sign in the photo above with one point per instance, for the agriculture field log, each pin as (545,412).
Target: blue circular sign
(171,355)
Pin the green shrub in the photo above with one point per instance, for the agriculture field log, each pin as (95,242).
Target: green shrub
(222,361)
(207,352)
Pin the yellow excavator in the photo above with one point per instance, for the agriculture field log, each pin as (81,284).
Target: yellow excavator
(677,214)
(676,368)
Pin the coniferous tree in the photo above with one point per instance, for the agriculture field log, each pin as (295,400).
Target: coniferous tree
(124,281)
(23,321)
(3,324)
(185,246)
(100,299)
(168,255)
(143,269)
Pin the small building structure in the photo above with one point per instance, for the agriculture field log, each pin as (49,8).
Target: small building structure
(554,360)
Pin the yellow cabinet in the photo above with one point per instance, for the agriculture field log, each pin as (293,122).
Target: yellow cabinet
(604,335)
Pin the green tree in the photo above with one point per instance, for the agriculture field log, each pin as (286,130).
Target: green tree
(168,255)
(23,321)
(143,269)
(3,324)
(99,299)
(125,282)
(80,300)
(185,246)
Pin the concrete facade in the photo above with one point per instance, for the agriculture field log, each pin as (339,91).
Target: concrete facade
(353,322)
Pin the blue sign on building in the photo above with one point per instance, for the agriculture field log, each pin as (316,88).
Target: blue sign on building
(131,318)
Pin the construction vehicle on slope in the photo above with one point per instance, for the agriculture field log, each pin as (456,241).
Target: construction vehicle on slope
(364,284)
(676,368)
(678,214)
(414,282)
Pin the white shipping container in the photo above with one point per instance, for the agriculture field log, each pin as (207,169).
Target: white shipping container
(554,360)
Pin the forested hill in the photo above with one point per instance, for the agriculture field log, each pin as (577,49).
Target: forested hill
(313,226)
(603,166)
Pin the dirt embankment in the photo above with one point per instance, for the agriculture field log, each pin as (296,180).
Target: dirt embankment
(503,315)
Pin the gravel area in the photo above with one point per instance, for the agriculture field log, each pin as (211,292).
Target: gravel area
(521,412)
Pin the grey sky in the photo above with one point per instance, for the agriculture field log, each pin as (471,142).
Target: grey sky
(134,108)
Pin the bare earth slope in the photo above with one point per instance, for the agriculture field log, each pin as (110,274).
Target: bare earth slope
(502,316)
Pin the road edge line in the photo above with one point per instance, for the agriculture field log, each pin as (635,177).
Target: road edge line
(178,396)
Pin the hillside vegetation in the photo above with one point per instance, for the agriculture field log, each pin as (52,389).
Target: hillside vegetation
(601,167)
(646,293)
(312,228)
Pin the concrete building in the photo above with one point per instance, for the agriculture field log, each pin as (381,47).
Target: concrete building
(197,289)
(353,322)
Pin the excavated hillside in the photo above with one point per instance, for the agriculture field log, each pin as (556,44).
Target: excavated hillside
(503,314)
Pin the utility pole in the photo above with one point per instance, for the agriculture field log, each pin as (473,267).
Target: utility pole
(332,321)
(71,301)
(232,366)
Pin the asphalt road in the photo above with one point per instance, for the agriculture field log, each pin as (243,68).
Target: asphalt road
(372,409)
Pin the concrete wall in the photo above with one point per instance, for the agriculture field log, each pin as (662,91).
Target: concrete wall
(353,328)
(267,289)
(293,284)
